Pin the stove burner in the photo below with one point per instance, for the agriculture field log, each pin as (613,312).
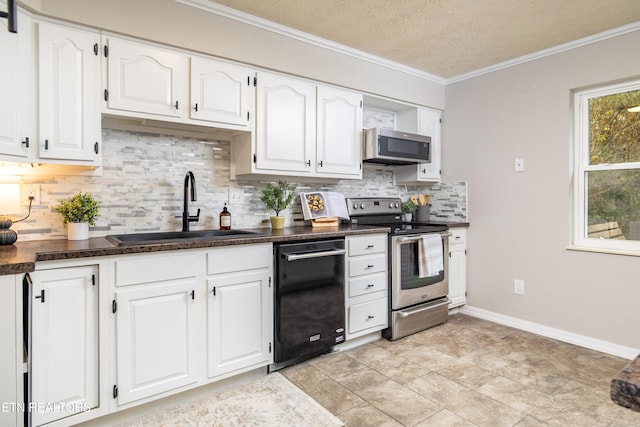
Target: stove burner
(386,212)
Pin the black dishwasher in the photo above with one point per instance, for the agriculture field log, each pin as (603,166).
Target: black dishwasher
(309,300)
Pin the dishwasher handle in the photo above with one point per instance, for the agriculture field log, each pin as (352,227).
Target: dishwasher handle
(308,255)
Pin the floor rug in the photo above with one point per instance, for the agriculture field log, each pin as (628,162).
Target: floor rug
(267,401)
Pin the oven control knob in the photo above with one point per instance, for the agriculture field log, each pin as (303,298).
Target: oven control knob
(390,205)
(395,205)
(361,205)
(355,206)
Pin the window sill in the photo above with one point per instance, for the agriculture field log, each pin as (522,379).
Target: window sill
(603,250)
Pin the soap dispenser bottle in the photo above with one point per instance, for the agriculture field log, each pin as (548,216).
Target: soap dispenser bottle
(225,219)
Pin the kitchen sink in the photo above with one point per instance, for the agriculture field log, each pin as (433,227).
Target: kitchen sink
(179,236)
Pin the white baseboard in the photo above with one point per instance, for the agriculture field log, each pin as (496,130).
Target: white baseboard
(558,334)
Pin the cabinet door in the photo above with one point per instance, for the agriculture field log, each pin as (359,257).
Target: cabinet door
(64,342)
(239,321)
(145,79)
(429,124)
(221,92)
(286,124)
(156,333)
(457,274)
(69,86)
(16,118)
(339,133)
(11,354)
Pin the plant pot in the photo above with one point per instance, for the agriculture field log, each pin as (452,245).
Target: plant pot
(77,230)
(406,217)
(277,222)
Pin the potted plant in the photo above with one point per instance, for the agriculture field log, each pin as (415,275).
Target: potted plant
(78,212)
(408,208)
(278,197)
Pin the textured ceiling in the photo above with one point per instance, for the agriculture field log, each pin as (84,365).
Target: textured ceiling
(446,38)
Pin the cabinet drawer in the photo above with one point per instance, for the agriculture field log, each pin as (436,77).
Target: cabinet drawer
(457,235)
(367,284)
(367,265)
(155,268)
(370,244)
(239,258)
(372,314)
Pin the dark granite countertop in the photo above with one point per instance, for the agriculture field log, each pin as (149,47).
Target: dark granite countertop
(22,256)
(625,387)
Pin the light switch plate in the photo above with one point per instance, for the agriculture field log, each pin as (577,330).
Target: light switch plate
(519,165)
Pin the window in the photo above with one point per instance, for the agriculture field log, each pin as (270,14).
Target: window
(607,168)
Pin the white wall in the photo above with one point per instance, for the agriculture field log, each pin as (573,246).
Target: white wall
(176,24)
(520,222)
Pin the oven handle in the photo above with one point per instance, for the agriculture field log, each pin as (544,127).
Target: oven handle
(295,257)
(414,238)
(420,310)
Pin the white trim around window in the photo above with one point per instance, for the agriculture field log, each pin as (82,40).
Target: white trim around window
(581,168)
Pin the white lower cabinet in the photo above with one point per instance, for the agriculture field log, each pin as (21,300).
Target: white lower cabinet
(156,328)
(367,283)
(64,353)
(11,355)
(457,266)
(187,318)
(239,309)
(156,333)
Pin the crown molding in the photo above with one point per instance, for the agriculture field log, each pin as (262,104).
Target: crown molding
(625,29)
(264,24)
(273,27)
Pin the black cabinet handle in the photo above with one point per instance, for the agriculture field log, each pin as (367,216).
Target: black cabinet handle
(321,163)
(46,144)
(41,296)
(176,105)
(193,294)
(196,107)
(95,147)
(26,142)
(95,49)
(309,162)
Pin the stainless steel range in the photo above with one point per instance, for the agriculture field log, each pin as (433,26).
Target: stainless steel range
(417,301)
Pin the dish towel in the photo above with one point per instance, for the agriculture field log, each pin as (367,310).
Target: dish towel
(430,258)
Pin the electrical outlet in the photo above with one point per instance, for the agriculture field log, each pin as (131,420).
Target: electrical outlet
(236,196)
(518,286)
(31,190)
(519,165)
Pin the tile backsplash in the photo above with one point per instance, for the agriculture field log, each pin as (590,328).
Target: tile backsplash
(141,189)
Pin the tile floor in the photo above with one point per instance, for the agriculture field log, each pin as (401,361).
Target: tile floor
(467,372)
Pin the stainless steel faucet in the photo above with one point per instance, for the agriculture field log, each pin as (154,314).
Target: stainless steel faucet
(186,219)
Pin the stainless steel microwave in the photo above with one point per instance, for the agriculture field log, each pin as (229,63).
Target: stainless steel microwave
(390,147)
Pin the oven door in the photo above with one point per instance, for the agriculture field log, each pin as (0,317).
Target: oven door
(407,288)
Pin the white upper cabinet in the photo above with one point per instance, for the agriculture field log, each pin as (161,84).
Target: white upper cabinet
(422,121)
(221,92)
(339,132)
(16,113)
(68,97)
(145,79)
(151,82)
(302,130)
(286,124)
